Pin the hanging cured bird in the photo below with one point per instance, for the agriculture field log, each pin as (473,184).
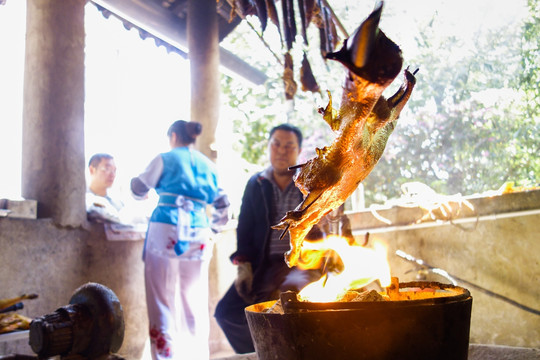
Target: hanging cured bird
(362,126)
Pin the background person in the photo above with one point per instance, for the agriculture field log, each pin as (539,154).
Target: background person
(100,205)
(178,247)
(262,271)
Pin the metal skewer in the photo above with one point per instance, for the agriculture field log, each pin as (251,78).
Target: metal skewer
(421,262)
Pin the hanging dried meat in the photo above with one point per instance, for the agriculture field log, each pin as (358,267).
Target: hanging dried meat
(291,18)
(287,32)
(333,35)
(306,77)
(302,11)
(327,32)
(319,21)
(289,23)
(288,78)
(322,42)
(309,11)
(243,8)
(309,6)
(262,13)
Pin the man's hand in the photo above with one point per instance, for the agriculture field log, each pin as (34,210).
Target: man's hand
(244,281)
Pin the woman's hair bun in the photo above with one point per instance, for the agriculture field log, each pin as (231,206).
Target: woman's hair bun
(187,131)
(193,128)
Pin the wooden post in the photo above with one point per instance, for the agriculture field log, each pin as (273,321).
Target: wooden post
(203,46)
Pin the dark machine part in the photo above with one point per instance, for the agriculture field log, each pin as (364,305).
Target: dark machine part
(423,329)
(90,327)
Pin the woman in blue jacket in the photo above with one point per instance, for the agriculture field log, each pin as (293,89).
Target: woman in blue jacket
(178,244)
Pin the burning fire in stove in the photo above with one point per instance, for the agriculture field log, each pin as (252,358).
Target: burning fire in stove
(348,270)
(346,267)
(325,321)
(336,318)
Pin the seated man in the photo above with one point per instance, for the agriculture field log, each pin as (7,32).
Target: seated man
(120,222)
(99,204)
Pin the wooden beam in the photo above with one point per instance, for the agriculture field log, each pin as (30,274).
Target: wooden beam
(161,23)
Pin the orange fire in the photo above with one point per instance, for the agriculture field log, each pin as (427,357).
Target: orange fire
(357,266)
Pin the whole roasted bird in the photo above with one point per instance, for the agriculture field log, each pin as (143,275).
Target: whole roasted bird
(362,125)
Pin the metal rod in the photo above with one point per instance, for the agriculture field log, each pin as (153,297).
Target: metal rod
(429,224)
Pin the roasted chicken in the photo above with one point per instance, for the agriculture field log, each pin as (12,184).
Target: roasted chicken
(362,126)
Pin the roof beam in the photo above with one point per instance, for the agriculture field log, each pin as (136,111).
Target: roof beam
(163,24)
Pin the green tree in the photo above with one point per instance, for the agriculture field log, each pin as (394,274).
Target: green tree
(463,131)
(470,126)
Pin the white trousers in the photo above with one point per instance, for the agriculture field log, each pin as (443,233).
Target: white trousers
(177,301)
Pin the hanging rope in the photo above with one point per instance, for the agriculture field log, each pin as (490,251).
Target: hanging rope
(264,42)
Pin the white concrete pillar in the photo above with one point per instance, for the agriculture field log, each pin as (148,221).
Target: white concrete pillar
(53,125)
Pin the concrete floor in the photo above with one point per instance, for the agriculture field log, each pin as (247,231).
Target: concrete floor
(476,352)
(224,353)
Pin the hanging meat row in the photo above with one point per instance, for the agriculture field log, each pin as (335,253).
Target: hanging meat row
(314,12)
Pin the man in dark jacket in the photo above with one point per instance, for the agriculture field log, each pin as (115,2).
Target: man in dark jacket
(262,271)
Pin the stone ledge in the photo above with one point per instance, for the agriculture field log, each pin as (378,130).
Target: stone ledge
(20,209)
(496,352)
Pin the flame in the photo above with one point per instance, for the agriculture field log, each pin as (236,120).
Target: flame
(356,266)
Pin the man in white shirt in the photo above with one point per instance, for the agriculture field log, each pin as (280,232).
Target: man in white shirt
(102,175)
(120,222)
